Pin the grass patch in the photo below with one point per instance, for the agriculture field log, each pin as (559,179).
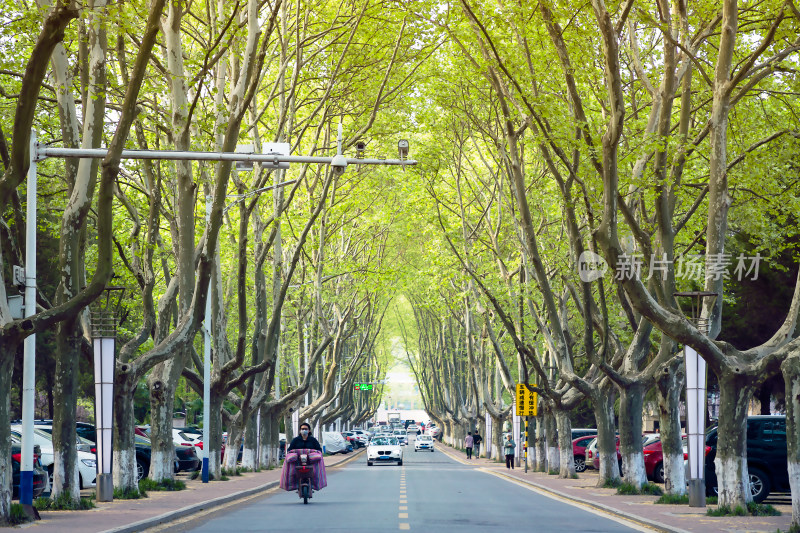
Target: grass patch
(573,476)
(42,503)
(63,502)
(17,515)
(762,509)
(752,509)
(725,510)
(128,493)
(713,501)
(629,489)
(673,499)
(612,483)
(194,475)
(234,471)
(146,484)
(553,472)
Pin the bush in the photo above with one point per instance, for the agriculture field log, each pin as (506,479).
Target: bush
(673,499)
(17,515)
(725,510)
(762,509)
(612,483)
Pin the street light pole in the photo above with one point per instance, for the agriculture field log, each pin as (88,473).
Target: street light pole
(207,370)
(29,361)
(696,401)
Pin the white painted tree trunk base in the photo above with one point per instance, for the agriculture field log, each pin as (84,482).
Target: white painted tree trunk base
(124,470)
(249,459)
(732,481)
(633,467)
(59,477)
(794,484)
(162,466)
(674,474)
(553,461)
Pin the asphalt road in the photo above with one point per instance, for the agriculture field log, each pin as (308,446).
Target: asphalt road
(431,491)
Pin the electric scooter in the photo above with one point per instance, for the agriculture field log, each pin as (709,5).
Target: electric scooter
(304,473)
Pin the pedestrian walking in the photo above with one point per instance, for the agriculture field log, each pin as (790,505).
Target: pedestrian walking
(476,440)
(468,443)
(508,451)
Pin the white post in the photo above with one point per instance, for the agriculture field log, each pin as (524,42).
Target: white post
(487,438)
(29,361)
(104,348)
(207,368)
(515,421)
(696,425)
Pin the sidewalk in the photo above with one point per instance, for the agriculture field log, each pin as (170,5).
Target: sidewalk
(638,509)
(124,516)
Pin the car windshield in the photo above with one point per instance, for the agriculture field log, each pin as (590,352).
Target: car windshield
(398,431)
(384,441)
(424,437)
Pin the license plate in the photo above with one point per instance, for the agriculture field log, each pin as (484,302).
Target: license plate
(385,457)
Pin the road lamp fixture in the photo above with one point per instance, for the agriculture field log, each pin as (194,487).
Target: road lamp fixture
(696,402)
(104,313)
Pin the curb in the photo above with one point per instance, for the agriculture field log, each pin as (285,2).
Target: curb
(658,526)
(183,512)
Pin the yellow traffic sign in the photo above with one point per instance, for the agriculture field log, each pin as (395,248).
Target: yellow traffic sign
(527,401)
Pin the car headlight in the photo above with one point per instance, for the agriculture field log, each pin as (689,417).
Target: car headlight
(91,463)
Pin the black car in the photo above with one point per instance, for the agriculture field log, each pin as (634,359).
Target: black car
(186,459)
(767,461)
(39,473)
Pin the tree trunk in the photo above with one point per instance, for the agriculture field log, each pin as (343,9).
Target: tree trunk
(606,440)
(669,384)
(124,463)
(791,377)
(6,372)
(735,393)
(65,452)
(162,451)
(540,443)
(630,434)
(551,436)
(251,442)
(234,441)
(567,463)
(215,434)
(497,439)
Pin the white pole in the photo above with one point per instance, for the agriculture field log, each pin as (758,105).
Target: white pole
(207,369)
(29,369)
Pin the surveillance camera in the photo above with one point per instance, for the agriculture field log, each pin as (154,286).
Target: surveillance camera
(402,147)
(361,147)
(339,164)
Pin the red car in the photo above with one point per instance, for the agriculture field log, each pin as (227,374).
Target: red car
(654,460)
(579,451)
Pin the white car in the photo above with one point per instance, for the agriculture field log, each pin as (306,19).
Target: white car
(333,442)
(401,436)
(384,450)
(433,431)
(413,428)
(181,438)
(87,462)
(423,442)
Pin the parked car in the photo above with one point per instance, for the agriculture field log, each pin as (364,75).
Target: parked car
(579,451)
(186,459)
(583,432)
(767,461)
(423,442)
(40,477)
(87,462)
(384,450)
(590,453)
(352,439)
(333,442)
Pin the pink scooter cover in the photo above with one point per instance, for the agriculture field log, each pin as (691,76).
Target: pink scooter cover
(289,473)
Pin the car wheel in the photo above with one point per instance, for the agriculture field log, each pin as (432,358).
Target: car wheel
(580,463)
(141,471)
(369,463)
(759,485)
(400,462)
(658,473)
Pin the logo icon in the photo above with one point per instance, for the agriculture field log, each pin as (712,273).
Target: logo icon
(591,266)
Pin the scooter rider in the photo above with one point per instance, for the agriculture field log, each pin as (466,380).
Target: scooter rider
(305,440)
